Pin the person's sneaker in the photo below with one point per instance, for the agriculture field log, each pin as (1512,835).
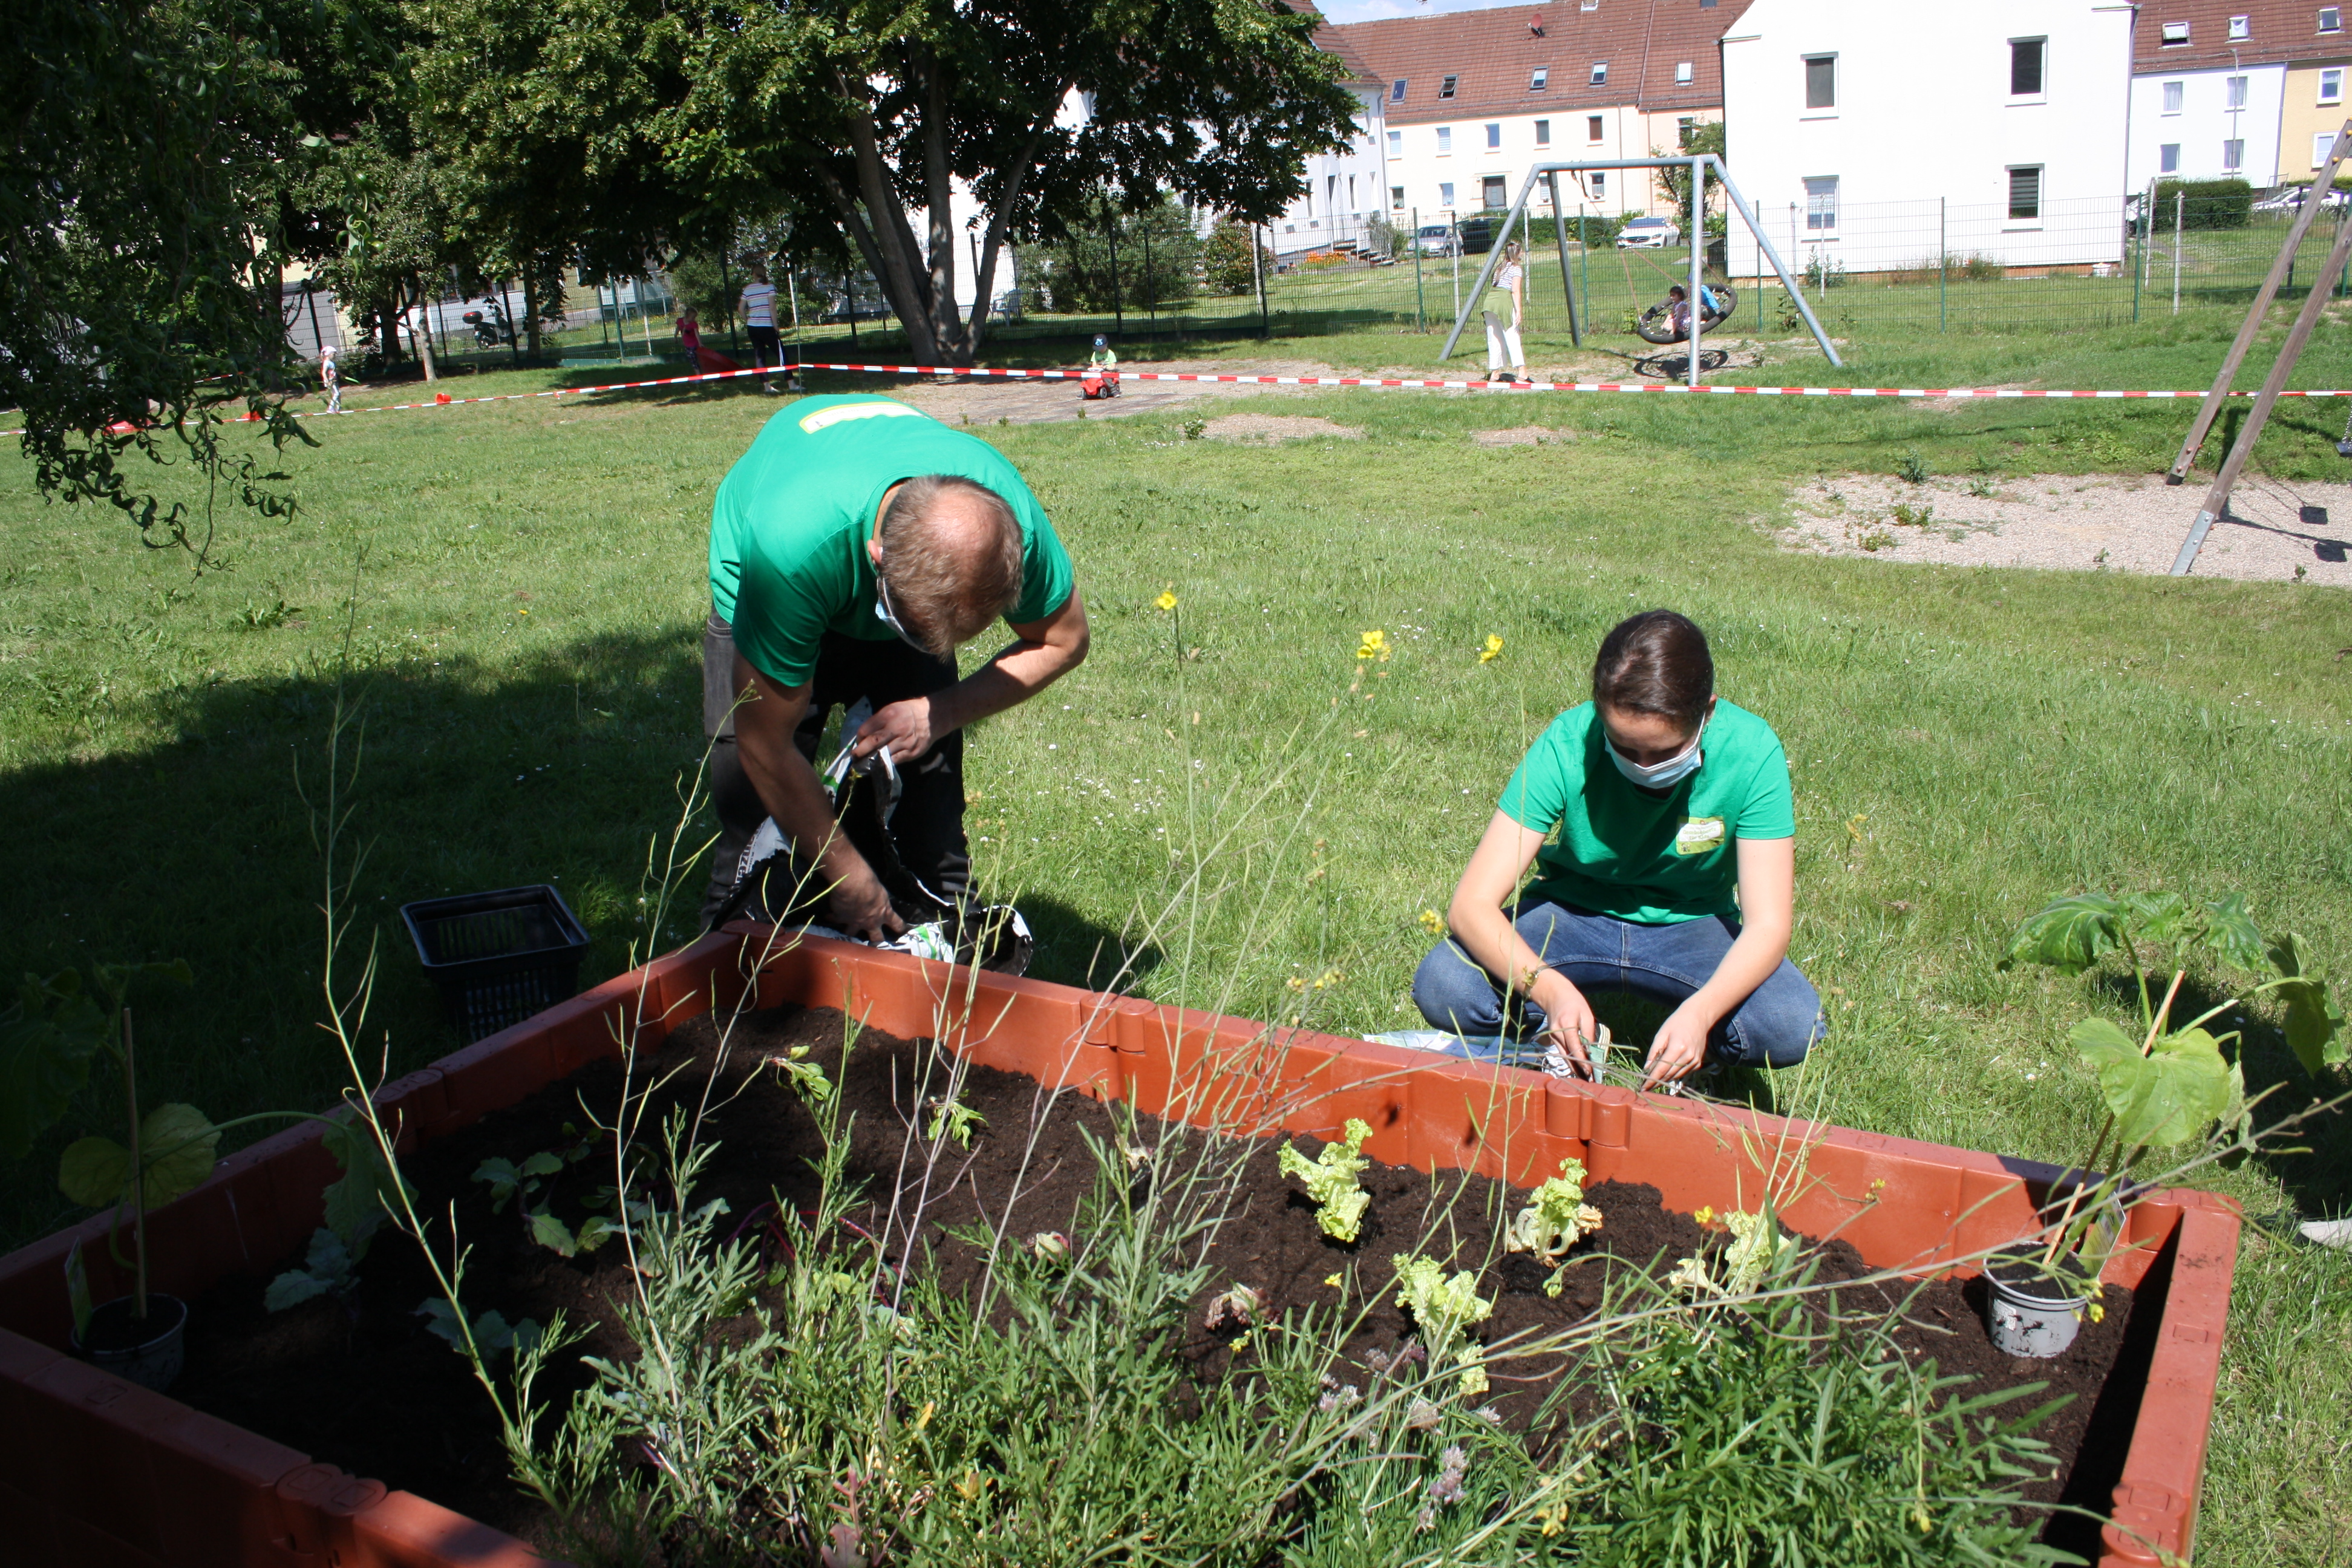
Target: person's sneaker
(794,385)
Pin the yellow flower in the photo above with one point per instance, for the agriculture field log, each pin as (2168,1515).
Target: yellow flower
(1431,921)
(1705,1214)
(1167,601)
(1241,1339)
(1492,651)
(1375,645)
(2098,1313)
(923,1420)
(1332,1280)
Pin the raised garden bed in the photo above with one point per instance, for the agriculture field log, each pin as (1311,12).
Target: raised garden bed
(99,1465)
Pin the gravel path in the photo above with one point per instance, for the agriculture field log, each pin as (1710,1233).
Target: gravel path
(2274,529)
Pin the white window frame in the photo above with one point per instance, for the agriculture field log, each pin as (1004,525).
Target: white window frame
(1445,194)
(1539,79)
(1599,184)
(1543,133)
(1686,73)
(2175,94)
(2172,36)
(1497,182)
(2331,85)
(1396,143)
(1396,198)
(2013,221)
(2168,158)
(1446,86)
(2236,90)
(1600,73)
(2240,28)
(2322,143)
(2331,18)
(1596,128)
(1445,140)
(1811,110)
(1821,206)
(2041,94)
(2234,154)
(1494,135)
(1396,88)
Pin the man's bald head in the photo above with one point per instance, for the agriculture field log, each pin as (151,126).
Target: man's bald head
(950,558)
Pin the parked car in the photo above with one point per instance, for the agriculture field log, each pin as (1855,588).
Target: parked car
(1434,240)
(1478,233)
(2291,198)
(1648,234)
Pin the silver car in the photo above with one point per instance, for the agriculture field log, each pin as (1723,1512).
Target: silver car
(1434,240)
(1648,234)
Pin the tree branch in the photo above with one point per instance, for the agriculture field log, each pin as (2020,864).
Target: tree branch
(983,282)
(895,240)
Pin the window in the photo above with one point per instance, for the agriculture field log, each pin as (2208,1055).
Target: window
(1821,204)
(1685,129)
(1396,195)
(1600,72)
(2331,86)
(1599,184)
(2233,156)
(2168,158)
(2237,87)
(2025,194)
(2025,66)
(2174,36)
(2331,18)
(1396,143)
(2172,91)
(1494,137)
(1538,79)
(1820,81)
(1593,128)
(2322,143)
(1396,90)
(1446,192)
(2239,27)
(1543,133)
(1682,72)
(1445,87)
(1444,140)
(1492,194)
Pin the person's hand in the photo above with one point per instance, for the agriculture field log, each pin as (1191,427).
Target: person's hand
(1676,1051)
(858,906)
(904,727)
(1568,1017)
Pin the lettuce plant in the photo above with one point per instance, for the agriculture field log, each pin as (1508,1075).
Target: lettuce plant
(1757,1246)
(1330,1181)
(1557,1217)
(1444,1309)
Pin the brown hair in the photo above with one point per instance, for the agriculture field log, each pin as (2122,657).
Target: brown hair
(952,558)
(1656,662)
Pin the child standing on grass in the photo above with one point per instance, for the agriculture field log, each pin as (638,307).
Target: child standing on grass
(331,378)
(1674,876)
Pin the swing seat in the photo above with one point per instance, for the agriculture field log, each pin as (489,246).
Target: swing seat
(1657,323)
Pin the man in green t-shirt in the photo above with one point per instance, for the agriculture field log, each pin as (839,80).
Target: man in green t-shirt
(852,549)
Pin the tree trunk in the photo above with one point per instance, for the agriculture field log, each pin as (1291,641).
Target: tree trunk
(983,273)
(530,310)
(423,332)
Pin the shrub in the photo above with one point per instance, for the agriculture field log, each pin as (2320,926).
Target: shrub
(1225,260)
(2208,203)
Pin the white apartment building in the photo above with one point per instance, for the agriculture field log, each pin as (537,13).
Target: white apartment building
(1472,98)
(1869,134)
(2209,87)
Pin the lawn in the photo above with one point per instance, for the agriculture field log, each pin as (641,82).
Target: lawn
(520,587)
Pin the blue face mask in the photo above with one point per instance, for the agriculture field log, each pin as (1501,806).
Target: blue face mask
(1660,776)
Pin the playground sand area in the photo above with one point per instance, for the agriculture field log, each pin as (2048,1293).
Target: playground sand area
(2272,531)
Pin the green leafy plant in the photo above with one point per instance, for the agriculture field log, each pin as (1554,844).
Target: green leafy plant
(1757,1248)
(806,1078)
(355,1210)
(1331,1180)
(491,1336)
(1557,1217)
(527,1181)
(1444,1309)
(1913,467)
(2169,1084)
(1914,516)
(955,1119)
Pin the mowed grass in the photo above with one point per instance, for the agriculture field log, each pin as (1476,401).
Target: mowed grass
(1256,823)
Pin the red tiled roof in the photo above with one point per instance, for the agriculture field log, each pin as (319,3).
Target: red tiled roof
(1493,54)
(2276,30)
(1329,38)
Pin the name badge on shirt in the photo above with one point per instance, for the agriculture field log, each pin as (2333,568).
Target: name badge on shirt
(1698,835)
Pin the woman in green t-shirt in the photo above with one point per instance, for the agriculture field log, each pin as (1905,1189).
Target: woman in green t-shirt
(1673,874)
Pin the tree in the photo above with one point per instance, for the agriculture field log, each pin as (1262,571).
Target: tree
(139,246)
(1225,265)
(651,117)
(1704,138)
(1147,259)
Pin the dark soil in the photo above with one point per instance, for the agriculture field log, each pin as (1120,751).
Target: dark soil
(364,1385)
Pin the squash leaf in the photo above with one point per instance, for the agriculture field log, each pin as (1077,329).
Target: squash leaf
(2231,932)
(47,1036)
(2070,934)
(2315,1023)
(2160,1098)
(177,1144)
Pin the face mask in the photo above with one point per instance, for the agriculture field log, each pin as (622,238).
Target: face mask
(890,617)
(1660,776)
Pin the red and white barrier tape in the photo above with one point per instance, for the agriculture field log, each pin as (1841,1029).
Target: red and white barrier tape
(442,400)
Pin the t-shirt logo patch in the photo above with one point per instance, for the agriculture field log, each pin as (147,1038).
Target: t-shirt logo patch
(1698,835)
(813,423)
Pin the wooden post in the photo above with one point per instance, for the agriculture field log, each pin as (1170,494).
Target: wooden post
(2208,410)
(2216,500)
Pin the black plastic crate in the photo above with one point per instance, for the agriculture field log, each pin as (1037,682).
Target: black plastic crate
(498,957)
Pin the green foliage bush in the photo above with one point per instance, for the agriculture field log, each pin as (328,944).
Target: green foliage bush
(2208,203)
(1154,263)
(1225,260)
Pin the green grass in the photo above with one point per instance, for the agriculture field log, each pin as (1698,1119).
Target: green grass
(1966,743)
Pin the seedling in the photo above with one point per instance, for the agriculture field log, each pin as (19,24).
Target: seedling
(493,1335)
(1330,1179)
(1444,1309)
(1557,1217)
(807,1079)
(527,1180)
(2169,1084)
(1757,1247)
(1235,1310)
(955,1119)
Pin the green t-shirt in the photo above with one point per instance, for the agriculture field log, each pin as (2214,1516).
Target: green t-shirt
(1653,859)
(789,526)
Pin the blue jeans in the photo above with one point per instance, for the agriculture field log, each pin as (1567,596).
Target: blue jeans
(1774,1026)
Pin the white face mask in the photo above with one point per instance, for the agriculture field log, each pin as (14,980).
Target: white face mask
(1660,776)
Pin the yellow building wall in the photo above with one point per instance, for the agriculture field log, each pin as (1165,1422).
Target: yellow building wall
(2301,116)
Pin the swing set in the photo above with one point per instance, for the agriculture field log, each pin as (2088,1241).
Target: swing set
(1711,304)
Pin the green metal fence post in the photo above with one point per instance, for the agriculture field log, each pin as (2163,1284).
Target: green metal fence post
(2139,255)
(1943,258)
(1584,263)
(1420,312)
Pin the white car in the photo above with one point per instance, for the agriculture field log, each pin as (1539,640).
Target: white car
(1648,234)
(2291,198)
